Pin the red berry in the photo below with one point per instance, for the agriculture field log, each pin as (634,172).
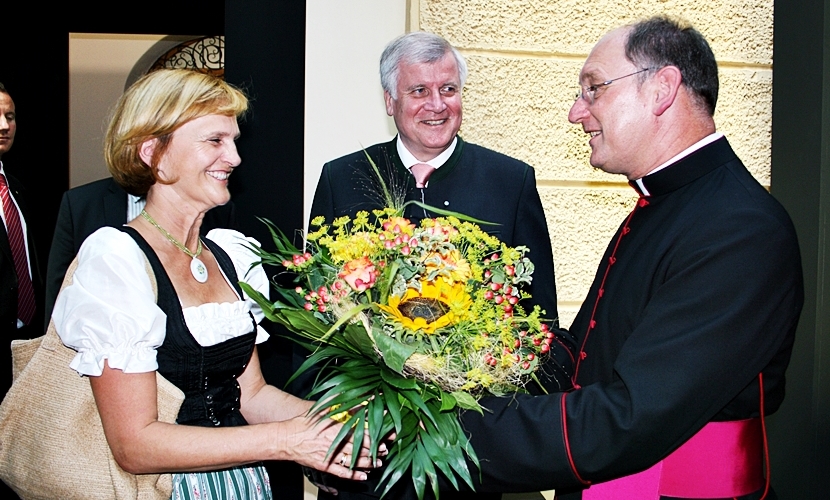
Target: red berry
(546,348)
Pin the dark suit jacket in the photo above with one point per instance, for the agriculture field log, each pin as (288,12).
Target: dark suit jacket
(474,181)
(8,287)
(85,209)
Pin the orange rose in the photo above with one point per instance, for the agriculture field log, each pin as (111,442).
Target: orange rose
(360,274)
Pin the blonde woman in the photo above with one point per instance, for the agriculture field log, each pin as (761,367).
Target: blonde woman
(171,138)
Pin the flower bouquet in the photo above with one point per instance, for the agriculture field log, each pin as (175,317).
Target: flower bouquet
(411,324)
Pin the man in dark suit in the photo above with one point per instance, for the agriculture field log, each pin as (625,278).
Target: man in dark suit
(422,76)
(20,282)
(85,209)
(688,328)
(21,289)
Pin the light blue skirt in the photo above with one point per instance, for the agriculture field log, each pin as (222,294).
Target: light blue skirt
(240,483)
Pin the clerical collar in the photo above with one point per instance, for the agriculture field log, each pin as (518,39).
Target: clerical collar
(709,139)
(408,159)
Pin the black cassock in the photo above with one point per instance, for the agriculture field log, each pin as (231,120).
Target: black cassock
(698,292)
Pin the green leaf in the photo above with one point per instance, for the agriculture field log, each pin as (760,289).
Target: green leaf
(417,402)
(290,297)
(358,338)
(399,461)
(393,405)
(398,381)
(448,401)
(418,473)
(264,303)
(438,456)
(394,353)
(375,412)
(345,431)
(467,402)
(345,318)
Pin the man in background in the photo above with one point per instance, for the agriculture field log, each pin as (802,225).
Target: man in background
(422,76)
(85,209)
(688,327)
(21,290)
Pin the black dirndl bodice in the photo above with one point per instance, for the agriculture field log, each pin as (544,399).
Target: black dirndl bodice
(206,375)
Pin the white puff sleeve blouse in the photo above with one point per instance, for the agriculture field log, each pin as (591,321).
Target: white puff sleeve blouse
(110,313)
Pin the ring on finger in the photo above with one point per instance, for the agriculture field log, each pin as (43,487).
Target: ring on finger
(343,460)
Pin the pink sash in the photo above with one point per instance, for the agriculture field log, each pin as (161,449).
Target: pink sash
(723,460)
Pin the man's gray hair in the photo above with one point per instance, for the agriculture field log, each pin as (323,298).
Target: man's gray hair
(415,48)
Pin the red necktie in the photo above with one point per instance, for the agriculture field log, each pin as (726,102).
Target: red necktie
(25,292)
(421,171)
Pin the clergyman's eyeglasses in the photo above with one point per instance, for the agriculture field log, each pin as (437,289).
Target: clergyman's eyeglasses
(589,93)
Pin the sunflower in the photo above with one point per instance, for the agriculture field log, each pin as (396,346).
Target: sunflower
(438,304)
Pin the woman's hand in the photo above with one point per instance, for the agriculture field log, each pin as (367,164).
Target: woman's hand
(310,439)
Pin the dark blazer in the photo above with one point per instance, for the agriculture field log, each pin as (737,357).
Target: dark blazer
(8,287)
(8,276)
(83,210)
(474,181)
(699,291)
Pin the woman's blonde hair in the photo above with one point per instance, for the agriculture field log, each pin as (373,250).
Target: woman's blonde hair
(154,107)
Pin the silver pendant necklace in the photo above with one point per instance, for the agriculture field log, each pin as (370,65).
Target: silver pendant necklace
(197,267)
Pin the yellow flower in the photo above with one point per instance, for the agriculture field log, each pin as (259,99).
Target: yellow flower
(399,225)
(438,304)
(352,246)
(452,265)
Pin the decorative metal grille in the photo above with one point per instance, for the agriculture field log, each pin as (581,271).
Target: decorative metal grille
(205,54)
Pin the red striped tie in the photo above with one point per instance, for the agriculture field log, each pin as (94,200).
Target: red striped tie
(25,292)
